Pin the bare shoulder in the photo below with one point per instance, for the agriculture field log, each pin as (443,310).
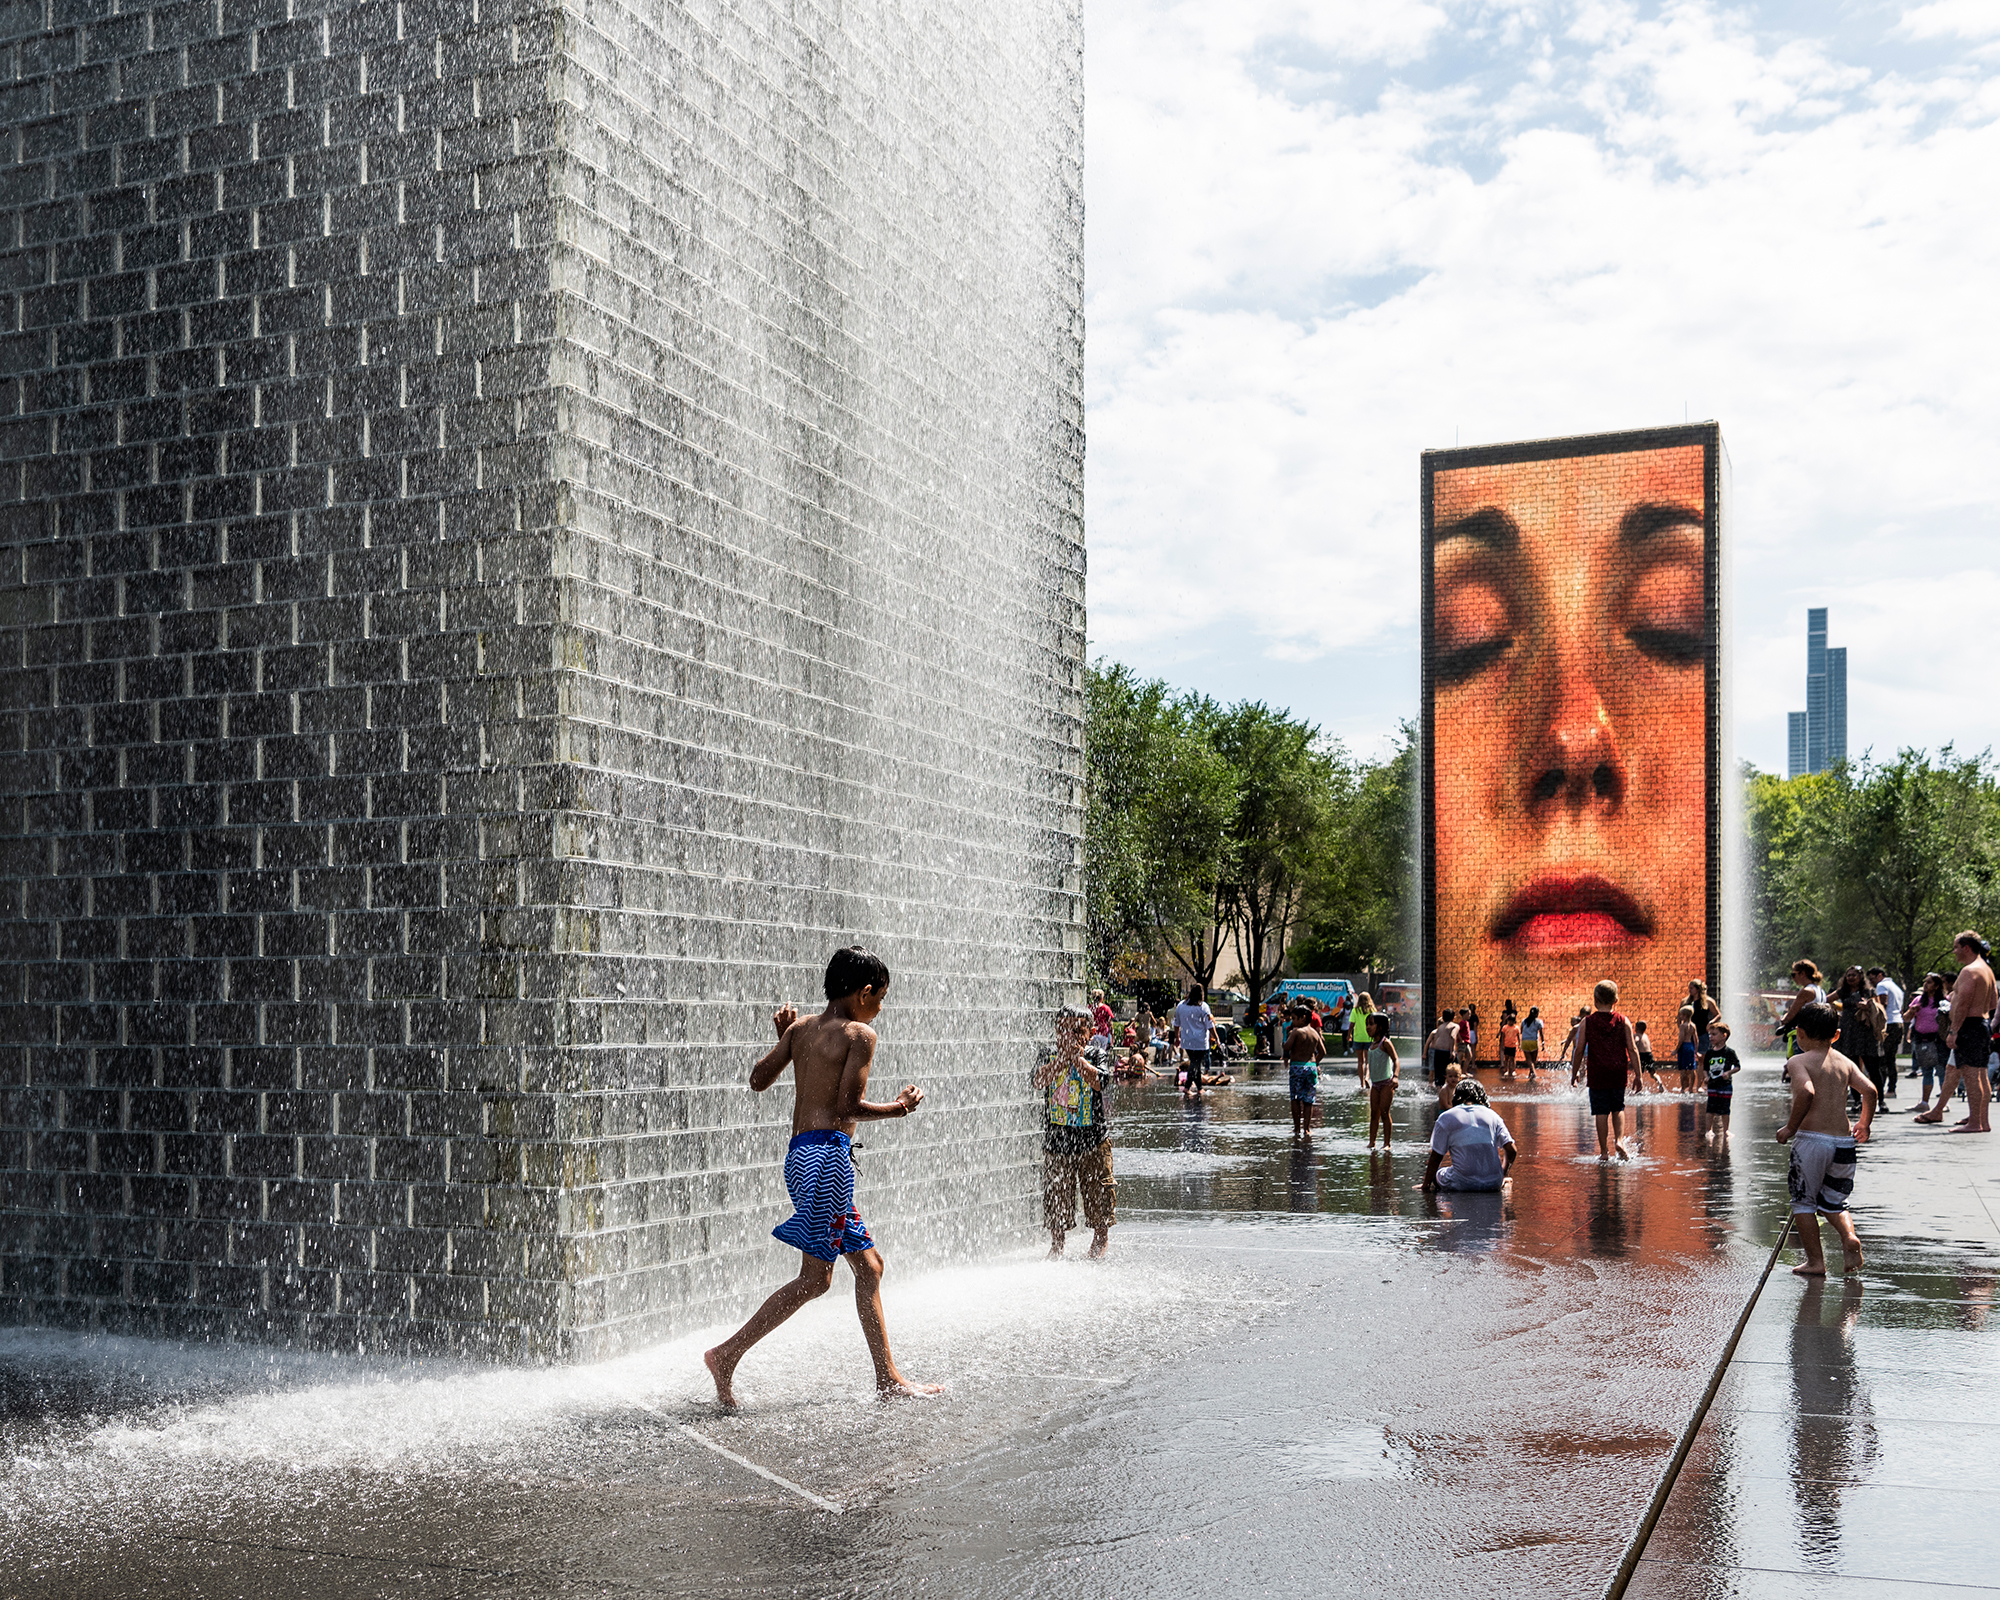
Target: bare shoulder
(858,1033)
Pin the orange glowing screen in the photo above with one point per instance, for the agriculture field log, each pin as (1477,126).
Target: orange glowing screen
(1570,718)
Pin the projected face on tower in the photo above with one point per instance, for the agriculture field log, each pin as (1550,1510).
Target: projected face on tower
(1569,675)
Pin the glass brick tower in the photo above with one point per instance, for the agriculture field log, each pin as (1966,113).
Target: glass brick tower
(1816,738)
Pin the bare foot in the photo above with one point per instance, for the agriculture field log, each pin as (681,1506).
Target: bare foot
(1623,1153)
(900,1387)
(1098,1248)
(1965,1127)
(724,1375)
(1850,1259)
(1805,1269)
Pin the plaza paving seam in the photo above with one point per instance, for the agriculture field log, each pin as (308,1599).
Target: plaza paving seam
(1813,1577)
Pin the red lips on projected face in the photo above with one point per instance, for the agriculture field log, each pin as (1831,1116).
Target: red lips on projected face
(1553,914)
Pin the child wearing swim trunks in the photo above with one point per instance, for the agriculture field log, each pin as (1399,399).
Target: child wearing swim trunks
(829,1055)
(1719,1064)
(1305,1049)
(1824,1144)
(1687,1053)
(1646,1067)
(1379,1070)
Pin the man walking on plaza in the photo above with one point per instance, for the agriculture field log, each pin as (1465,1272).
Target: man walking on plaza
(1972,998)
(1890,993)
(1196,1025)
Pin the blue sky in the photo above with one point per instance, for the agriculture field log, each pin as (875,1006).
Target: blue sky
(1324,237)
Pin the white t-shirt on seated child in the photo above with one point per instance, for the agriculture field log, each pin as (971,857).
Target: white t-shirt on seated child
(1472,1136)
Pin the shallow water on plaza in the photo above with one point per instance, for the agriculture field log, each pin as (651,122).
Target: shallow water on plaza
(1292,1365)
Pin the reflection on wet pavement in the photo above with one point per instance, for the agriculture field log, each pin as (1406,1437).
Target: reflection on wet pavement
(1850,1446)
(1295,1374)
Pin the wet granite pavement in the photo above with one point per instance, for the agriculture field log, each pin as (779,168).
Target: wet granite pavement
(1851,1450)
(1294,1375)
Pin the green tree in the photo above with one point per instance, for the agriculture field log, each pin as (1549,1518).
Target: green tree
(1290,787)
(1785,923)
(1867,862)
(1362,910)
(1158,806)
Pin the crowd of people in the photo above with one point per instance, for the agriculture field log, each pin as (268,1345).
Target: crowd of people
(1843,1048)
(1946,1028)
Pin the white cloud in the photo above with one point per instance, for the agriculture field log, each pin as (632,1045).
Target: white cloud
(1484,222)
(1954,19)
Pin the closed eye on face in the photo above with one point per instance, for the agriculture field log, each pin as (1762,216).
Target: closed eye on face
(1665,611)
(1473,613)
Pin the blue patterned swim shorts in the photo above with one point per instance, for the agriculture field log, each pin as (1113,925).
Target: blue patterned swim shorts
(819,1172)
(1305,1081)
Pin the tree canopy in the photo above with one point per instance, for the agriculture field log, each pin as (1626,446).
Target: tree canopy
(1237,830)
(1876,864)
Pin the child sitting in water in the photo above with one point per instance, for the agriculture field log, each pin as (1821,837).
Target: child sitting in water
(1454,1075)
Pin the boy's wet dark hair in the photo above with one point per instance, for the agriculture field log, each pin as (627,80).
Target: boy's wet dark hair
(852,969)
(1449,1016)
(1817,1022)
(1469,1092)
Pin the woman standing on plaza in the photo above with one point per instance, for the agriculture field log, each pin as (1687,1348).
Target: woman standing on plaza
(1927,1015)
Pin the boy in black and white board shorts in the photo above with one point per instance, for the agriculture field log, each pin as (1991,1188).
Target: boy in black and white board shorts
(1824,1144)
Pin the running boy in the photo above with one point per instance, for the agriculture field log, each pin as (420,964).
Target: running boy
(1719,1064)
(1824,1143)
(1305,1048)
(830,1055)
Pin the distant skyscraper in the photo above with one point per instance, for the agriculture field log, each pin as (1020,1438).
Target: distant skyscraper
(1816,738)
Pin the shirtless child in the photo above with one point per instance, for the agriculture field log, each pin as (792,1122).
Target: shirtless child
(830,1055)
(1305,1049)
(1823,1142)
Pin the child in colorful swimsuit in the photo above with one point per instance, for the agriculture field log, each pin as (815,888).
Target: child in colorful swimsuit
(1379,1070)
(830,1055)
(1531,1040)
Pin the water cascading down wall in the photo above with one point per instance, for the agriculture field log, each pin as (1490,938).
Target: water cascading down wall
(521,528)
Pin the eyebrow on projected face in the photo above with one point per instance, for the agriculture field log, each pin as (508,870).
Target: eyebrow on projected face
(1488,526)
(1644,521)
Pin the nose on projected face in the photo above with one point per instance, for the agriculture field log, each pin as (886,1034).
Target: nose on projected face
(1569,635)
